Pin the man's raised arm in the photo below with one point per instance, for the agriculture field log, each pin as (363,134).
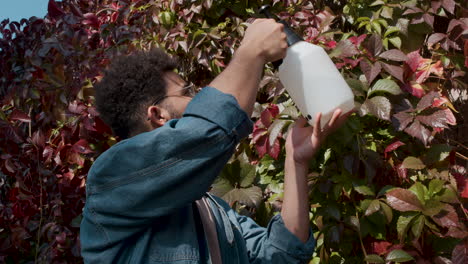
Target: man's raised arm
(264,41)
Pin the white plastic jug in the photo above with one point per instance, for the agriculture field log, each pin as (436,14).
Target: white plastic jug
(311,78)
(314,83)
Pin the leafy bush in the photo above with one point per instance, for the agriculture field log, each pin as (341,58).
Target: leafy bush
(389,186)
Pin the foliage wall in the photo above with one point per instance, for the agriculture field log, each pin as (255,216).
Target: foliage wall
(390,186)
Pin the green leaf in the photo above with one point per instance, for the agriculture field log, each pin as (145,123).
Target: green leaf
(221,186)
(374,206)
(365,204)
(387,211)
(420,191)
(383,22)
(433,207)
(413,163)
(362,19)
(417,226)
(377,3)
(435,186)
(396,41)
(333,211)
(357,86)
(378,106)
(436,153)
(248,196)
(76,222)
(364,190)
(374,259)
(387,12)
(403,224)
(449,195)
(247,173)
(377,27)
(384,85)
(291,111)
(275,129)
(399,255)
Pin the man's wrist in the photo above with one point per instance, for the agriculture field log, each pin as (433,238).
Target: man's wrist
(249,54)
(297,165)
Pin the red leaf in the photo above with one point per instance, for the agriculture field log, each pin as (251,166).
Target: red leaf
(268,114)
(460,253)
(76,108)
(437,119)
(393,146)
(415,89)
(434,38)
(357,40)
(258,132)
(451,120)
(447,217)
(394,55)
(274,150)
(54,11)
(402,119)
(370,71)
(414,60)
(449,5)
(395,71)
(82,147)
(61,238)
(403,200)
(92,20)
(19,115)
(380,247)
(464,194)
(427,100)
(89,124)
(75,158)
(262,146)
(402,171)
(374,45)
(331,44)
(38,139)
(439,101)
(419,131)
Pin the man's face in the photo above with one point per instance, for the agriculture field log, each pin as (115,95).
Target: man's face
(177,98)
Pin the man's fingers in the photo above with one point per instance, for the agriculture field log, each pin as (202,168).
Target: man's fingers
(317,126)
(335,116)
(300,122)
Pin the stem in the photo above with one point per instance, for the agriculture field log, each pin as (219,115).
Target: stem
(360,237)
(38,240)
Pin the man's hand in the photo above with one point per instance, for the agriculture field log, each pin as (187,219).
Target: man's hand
(266,39)
(303,141)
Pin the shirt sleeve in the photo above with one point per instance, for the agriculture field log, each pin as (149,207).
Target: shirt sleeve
(273,244)
(155,173)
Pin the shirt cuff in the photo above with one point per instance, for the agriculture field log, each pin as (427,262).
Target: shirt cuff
(286,241)
(221,109)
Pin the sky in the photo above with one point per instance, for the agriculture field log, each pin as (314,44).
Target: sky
(15,10)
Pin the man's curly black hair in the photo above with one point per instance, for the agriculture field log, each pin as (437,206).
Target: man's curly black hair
(130,84)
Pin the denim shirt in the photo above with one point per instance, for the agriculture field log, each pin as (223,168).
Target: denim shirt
(140,194)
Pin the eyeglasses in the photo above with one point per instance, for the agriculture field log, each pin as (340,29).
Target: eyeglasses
(189,90)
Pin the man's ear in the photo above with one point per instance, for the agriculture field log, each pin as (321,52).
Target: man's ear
(157,116)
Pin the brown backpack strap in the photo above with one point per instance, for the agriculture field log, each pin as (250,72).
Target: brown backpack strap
(209,227)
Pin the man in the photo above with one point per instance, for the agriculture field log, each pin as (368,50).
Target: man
(146,200)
